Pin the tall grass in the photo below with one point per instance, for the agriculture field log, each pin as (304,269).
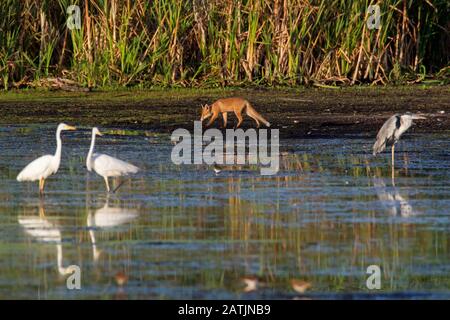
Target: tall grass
(216,43)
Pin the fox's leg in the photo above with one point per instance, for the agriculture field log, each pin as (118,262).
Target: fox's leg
(239,116)
(224,115)
(257,122)
(213,117)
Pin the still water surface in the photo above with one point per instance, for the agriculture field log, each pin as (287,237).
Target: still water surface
(182,232)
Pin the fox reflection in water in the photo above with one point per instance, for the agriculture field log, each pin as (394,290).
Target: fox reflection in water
(392,200)
(105,218)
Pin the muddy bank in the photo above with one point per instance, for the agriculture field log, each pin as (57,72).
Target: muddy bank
(296,112)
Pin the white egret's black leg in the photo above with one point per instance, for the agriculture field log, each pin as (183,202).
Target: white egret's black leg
(118,186)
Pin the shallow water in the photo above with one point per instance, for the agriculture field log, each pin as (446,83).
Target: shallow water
(182,232)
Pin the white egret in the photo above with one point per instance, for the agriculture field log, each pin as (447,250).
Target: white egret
(107,166)
(44,166)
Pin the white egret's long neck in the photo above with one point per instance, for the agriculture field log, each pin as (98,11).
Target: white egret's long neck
(57,157)
(91,151)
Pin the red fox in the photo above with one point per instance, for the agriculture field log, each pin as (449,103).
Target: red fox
(237,105)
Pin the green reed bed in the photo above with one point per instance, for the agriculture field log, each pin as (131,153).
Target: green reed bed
(217,43)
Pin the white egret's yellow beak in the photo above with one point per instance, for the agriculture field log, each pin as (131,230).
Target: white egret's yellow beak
(418,117)
(99,133)
(67,127)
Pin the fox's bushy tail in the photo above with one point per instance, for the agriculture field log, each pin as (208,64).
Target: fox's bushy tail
(254,114)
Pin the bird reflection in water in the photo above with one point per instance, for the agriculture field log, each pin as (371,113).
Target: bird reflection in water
(105,218)
(44,230)
(392,200)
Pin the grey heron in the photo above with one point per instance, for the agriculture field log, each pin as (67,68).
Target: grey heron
(392,130)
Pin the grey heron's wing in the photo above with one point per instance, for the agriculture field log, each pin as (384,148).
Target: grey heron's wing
(386,133)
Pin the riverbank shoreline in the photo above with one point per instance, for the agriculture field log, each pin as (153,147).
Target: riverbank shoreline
(297,112)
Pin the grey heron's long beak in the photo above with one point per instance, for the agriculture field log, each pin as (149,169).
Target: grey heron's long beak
(418,117)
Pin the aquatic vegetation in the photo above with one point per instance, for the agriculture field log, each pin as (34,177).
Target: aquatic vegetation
(219,43)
